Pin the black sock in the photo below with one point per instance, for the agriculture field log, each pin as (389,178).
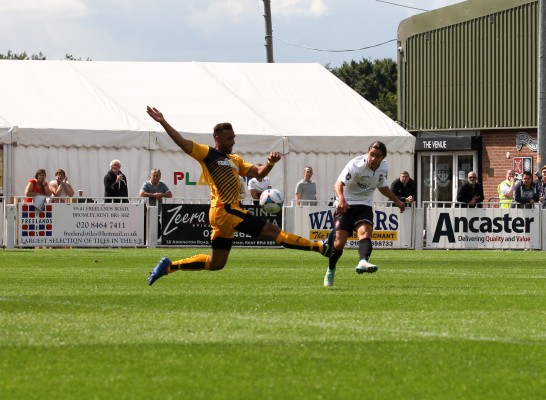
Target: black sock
(332,261)
(365,249)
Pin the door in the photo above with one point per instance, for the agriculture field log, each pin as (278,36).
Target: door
(441,174)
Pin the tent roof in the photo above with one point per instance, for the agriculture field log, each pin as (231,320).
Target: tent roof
(104,103)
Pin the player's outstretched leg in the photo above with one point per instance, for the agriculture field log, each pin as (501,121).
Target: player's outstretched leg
(199,262)
(161,269)
(291,241)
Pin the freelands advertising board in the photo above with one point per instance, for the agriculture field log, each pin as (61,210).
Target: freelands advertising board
(81,225)
(483,228)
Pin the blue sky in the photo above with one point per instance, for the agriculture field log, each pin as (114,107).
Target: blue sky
(206,30)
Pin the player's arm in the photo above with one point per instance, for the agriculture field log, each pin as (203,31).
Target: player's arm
(254,194)
(339,188)
(260,171)
(184,144)
(385,191)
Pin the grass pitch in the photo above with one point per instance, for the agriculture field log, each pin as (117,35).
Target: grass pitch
(82,323)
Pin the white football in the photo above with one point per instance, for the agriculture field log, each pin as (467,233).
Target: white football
(271,201)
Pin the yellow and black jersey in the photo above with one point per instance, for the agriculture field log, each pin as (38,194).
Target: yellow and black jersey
(221,171)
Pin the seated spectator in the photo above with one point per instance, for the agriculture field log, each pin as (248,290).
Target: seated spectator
(404,188)
(525,192)
(155,191)
(471,192)
(37,189)
(256,186)
(60,187)
(541,187)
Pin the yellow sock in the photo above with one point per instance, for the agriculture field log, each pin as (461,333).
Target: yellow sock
(291,241)
(198,262)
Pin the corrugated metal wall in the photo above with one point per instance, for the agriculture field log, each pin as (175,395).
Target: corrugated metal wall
(481,73)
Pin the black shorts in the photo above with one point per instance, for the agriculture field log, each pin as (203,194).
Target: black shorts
(354,217)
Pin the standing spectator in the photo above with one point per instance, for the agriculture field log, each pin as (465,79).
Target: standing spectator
(306,189)
(404,188)
(471,192)
(115,183)
(221,169)
(354,189)
(256,186)
(506,189)
(155,191)
(525,192)
(37,189)
(60,187)
(541,187)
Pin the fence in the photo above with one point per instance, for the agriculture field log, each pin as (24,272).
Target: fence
(97,222)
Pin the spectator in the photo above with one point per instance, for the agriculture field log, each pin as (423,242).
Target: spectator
(525,192)
(256,186)
(404,188)
(37,189)
(115,183)
(471,192)
(155,190)
(541,187)
(506,189)
(60,187)
(306,189)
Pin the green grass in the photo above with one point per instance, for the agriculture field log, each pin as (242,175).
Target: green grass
(428,325)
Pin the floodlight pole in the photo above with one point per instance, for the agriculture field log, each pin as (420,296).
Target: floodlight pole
(541,138)
(268,31)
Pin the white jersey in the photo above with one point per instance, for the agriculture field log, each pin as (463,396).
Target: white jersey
(259,186)
(361,181)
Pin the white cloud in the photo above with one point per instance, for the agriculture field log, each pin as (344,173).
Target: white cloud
(314,8)
(44,7)
(214,12)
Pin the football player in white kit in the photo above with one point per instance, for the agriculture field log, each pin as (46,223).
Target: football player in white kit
(354,190)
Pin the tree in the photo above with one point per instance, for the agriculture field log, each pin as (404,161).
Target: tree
(22,56)
(375,81)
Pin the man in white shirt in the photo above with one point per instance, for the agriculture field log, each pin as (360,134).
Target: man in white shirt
(354,189)
(256,186)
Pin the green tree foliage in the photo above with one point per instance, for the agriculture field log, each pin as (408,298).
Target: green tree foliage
(375,81)
(70,57)
(22,56)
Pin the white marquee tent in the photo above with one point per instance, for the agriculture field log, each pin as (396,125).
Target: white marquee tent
(80,115)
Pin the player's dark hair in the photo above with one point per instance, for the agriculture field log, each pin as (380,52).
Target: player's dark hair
(379,146)
(38,172)
(223,126)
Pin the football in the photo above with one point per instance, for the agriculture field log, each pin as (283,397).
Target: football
(271,201)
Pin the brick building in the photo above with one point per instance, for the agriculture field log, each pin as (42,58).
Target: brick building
(467,90)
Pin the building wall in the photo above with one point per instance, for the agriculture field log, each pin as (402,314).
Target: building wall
(476,73)
(494,161)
